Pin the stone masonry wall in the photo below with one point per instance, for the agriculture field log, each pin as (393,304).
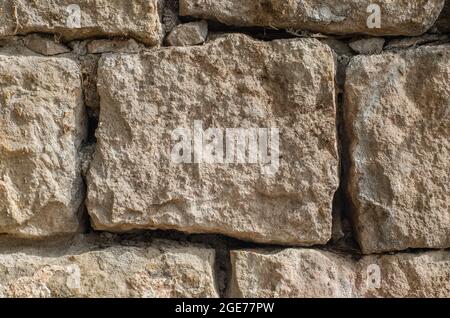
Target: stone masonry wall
(224,148)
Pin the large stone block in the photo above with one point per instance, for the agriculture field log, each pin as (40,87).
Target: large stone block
(233,82)
(83,18)
(397,117)
(91,266)
(42,126)
(396,17)
(313,273)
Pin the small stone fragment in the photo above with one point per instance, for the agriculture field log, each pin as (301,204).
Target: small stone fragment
(368,46)
(192,33)
(44,45)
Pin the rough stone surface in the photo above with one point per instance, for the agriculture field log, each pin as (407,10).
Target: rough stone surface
(139,19)
(187,34)
(397,116)
(44,45)
(93,267)
(368,46)
(398,17)
(42,126)
(314,273)
(288,84)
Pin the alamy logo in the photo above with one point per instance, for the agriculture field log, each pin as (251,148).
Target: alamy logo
(227,146)
(374,19)
(373,277)
(74,18)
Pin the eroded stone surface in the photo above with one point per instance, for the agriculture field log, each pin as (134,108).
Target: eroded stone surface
(233,82)
(91,266)
(397,116)
(42,126)
(139,19)
(398,17)
(314,273)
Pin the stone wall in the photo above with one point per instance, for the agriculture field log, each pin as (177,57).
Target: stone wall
(224,148)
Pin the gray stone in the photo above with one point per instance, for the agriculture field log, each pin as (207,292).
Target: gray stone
(44,45)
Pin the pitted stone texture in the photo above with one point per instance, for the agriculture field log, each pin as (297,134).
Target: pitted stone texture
(397,116)
(42,126)
(94,267)
(398,17)
(233,82)
(70,19)
(313,273)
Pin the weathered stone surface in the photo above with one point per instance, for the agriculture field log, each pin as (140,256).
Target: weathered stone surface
(44,45)
(368,46)
(42,126)
(313,273)
(96,267)
(187,34)
(398,17)
(397,118)
(82,19)
(234,82)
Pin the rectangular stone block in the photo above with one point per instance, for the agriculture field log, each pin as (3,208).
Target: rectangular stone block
(150,103)
(305,273)
(383,17)
(96,267)
(42,126)
(82,19)
(397,117)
